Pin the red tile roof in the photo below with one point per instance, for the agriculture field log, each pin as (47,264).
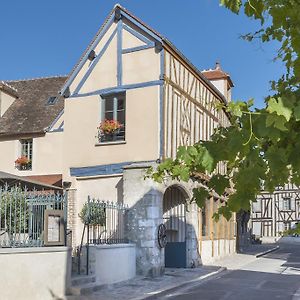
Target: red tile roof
(217,73)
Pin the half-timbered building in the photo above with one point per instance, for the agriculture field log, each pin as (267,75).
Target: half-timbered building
(274,213)
(157,100)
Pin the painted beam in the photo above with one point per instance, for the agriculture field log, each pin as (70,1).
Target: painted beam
(139,25)
(55,120)
(94,62)
(109,22)
(119,52)
(139,48)
(109,169)
(161,103)
(137,35)
(121,88)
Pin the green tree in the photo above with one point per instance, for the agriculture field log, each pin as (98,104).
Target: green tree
(13,211)
(93,213)
(261,145)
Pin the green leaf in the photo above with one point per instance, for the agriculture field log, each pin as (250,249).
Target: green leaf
(218,183)
(184,174)
(277,106)
(276,121)
(225,211)
(233,5)
(207,161)
(200,195)
(297,112)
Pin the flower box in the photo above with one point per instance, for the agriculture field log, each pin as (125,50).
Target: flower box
(23,163)
(108,130)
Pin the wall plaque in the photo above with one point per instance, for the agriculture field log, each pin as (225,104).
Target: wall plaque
(54,228)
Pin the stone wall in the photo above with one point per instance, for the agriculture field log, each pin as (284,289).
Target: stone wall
(142,220)
(192,233)
(72,217)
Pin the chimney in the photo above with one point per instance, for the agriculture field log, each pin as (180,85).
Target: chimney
(220,79)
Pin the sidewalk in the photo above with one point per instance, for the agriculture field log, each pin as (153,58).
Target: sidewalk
(140,287)
(246,256)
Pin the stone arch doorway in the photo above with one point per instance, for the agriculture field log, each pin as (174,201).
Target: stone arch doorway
(174,217)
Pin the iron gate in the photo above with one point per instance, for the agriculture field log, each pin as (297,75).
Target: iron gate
(22,215)
(174,216)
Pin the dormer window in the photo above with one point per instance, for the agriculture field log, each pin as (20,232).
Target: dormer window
(51,100)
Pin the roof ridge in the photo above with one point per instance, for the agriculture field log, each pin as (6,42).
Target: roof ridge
(9,86)
(36,78)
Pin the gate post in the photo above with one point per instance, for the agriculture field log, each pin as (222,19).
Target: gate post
(143,218)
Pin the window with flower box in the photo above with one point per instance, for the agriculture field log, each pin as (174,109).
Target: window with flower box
(112,125)
(24,161)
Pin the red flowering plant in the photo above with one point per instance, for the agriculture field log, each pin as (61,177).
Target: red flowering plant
(108,129)
(23,163)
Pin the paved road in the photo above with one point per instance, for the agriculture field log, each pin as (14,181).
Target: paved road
(273,276)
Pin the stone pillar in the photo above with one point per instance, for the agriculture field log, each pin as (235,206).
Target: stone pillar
(145,214)
(72,215)
(192,232)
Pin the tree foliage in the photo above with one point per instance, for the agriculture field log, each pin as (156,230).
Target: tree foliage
(261,145)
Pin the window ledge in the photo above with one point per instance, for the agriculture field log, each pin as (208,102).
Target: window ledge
(110,143)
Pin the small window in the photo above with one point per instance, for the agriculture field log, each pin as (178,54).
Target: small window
(51,100)
(24,161)
(286,226)
(112,126)
(286,203)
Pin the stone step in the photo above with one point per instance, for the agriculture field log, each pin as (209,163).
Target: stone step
(85,289)
(82,279)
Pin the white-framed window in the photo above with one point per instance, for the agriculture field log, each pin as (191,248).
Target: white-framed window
(113,116)
(286,203)
(24,161)
(286,226)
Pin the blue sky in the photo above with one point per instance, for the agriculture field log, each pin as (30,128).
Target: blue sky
(45,38)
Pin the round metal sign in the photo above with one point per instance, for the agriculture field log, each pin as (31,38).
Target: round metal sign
(162,235)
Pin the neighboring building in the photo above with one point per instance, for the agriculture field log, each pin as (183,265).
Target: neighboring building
(274,213)
(26,129)
(131,74)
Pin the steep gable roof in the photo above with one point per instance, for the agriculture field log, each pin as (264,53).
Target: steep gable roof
(30,113)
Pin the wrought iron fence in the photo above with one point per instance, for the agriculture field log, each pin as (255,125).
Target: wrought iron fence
(104,223)
(22,215)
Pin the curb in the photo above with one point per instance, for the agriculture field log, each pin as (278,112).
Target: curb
(187,284)
(266,252)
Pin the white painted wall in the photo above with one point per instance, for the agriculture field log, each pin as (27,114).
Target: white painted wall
(114,263)
(214,250)
(35,273)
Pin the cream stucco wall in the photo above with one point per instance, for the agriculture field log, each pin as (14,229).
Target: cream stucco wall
(5,102)
(102,82)
(47,154)
(141,66)
(137,67)
(82,116)
(100,188)
(104,73)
